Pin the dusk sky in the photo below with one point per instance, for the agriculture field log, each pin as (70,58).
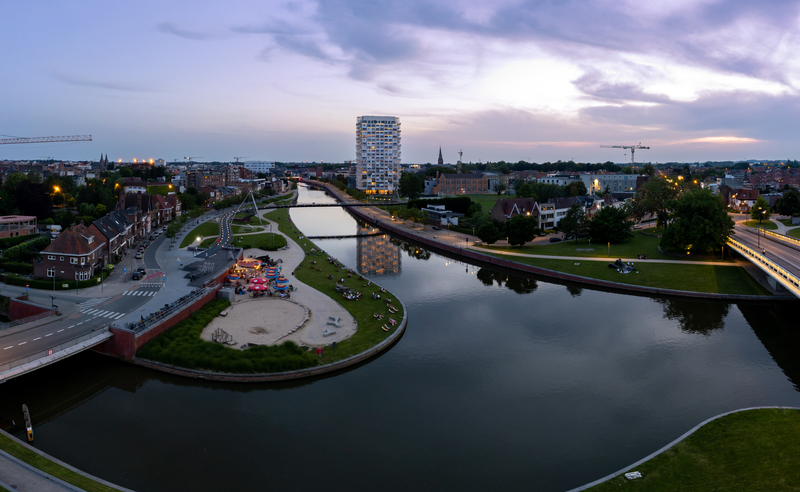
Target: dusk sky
(504,80)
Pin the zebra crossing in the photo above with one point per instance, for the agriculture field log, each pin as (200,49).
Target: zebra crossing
(151,284)
(140,293)
(92,302)
(105,314)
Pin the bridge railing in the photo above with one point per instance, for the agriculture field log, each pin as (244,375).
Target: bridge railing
(168,310)
(52,350)
(786,278)
(17,322)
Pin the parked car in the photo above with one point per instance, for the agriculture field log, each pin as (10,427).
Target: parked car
(141,270)
(436,228)
(555,239)
(139,255)
(152,237)
(135,276)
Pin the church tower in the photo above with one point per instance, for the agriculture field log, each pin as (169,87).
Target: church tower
(441,161)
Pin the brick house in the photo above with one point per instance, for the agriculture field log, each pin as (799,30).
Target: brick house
(17,225)
(75,254)
(743,200)
(511,207)
(460,184)
(116,230)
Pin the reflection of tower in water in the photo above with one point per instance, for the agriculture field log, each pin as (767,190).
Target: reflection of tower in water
(376,255)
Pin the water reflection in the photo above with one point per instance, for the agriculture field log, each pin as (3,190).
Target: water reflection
(520,285)
(776,326)
(376,255)
(574,290)
(413,251)
(696,316)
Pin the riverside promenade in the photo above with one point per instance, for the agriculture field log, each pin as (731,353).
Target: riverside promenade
(462,245)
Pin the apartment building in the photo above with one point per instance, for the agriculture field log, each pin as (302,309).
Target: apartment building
(377,154)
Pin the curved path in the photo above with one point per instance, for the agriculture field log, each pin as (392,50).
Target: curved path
(670,445)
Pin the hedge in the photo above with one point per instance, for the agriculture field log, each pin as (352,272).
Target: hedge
(182,346)
(16,267)
(7,242)
(48,283)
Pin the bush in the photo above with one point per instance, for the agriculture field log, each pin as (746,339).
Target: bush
(47,284)
(8,242)
(16,267)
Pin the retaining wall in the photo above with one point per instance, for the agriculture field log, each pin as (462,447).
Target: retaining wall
(20,307)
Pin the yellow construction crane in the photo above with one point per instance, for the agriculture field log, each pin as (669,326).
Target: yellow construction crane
(68,138)
(632,147)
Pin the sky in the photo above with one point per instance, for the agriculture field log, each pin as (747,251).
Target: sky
(509,80)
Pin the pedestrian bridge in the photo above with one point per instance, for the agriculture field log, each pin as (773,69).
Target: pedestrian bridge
(774,255)
(25,365)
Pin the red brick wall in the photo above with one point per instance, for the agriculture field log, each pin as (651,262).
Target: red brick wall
(20,308)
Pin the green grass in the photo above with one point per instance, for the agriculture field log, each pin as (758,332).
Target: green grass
(182,346)
(488,200)
(268,241)
(639,245)
(22,452)
(765,224)
(795,233)
(369,331)
(786,222)
(162,190)
(747,451)
(243,229)
(204,229)
(695,278)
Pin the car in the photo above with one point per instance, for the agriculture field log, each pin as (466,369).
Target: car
(436,228)
(135,276)
(141,270)
(152,237)
(542,234)
(555,239)
(139,255)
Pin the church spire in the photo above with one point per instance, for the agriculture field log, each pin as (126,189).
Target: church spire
(441,161)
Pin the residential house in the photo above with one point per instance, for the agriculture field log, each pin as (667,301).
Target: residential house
(743,200)
(505,209)
(117,231)
(75,254)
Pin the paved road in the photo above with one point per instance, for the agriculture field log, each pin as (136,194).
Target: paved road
(783,255)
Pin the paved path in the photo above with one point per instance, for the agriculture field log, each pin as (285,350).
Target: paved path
(604,259)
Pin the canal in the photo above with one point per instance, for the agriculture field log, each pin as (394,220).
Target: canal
(500,382)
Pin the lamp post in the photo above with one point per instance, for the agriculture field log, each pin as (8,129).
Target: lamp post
(609,249)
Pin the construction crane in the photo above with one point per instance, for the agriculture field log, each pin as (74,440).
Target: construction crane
(237,158)
(68,138)
(632,147)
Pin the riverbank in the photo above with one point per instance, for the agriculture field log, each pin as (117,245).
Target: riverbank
(712,283)
(320,277)
(743,450)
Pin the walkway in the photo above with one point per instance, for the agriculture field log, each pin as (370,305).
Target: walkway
(604,259)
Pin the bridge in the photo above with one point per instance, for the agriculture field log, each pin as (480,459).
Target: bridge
(776,254)
(348,204)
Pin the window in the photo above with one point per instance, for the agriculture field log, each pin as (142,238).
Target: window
(51,272)
(74,261)
(61,258)
(51,257)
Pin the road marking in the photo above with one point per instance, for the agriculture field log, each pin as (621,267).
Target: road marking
(59,331)
(7,348)
(48,334)
(37,339)
(73,326)
(79,323)
(23,343)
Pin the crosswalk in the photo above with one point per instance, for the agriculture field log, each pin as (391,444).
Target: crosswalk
(140,293)
(92,302)
(151,284)
(104,314)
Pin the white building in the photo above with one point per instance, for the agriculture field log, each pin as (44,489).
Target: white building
(259,166)
(616,183)
(377,154)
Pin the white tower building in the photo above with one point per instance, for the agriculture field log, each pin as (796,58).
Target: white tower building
(377,154)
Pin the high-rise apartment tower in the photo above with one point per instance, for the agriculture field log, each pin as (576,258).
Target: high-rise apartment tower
(377,154)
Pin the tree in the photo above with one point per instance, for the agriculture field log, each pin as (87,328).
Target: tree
(526,191)
(499,188)
(760,210)
(572,223)
(411,185)
(648,170)
(789,204)
(699,222)
(653,198)
(521,229)
(576,188)
(611,225)
(488,232)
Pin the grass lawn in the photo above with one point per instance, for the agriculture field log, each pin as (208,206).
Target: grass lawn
(487,200)
(765,224)
(696,278)
(22,452)
(237,229)
(268,241)
(369,331)
(204,229)
(639,245)
(795,233)
(742,452)
(786,222)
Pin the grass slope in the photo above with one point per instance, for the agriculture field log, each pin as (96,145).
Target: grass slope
(204,229)
(182,346)
(268,241)
(747,451)
(21,451)
(641,244)
(795,233)
(764,224)
(695,278)
(487,201)
(369,331)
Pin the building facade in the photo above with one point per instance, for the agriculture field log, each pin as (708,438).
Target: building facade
(259,166)
(377,154)
(17,225)
(461,184)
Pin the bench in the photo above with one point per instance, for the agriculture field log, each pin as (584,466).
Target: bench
(334,320)
(328,332)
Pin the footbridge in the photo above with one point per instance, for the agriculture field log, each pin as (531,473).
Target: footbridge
(776,254)
(342,204)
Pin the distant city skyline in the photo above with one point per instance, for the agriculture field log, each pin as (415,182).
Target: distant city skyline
(511,80)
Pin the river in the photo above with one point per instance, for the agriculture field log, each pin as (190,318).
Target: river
(499,383)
